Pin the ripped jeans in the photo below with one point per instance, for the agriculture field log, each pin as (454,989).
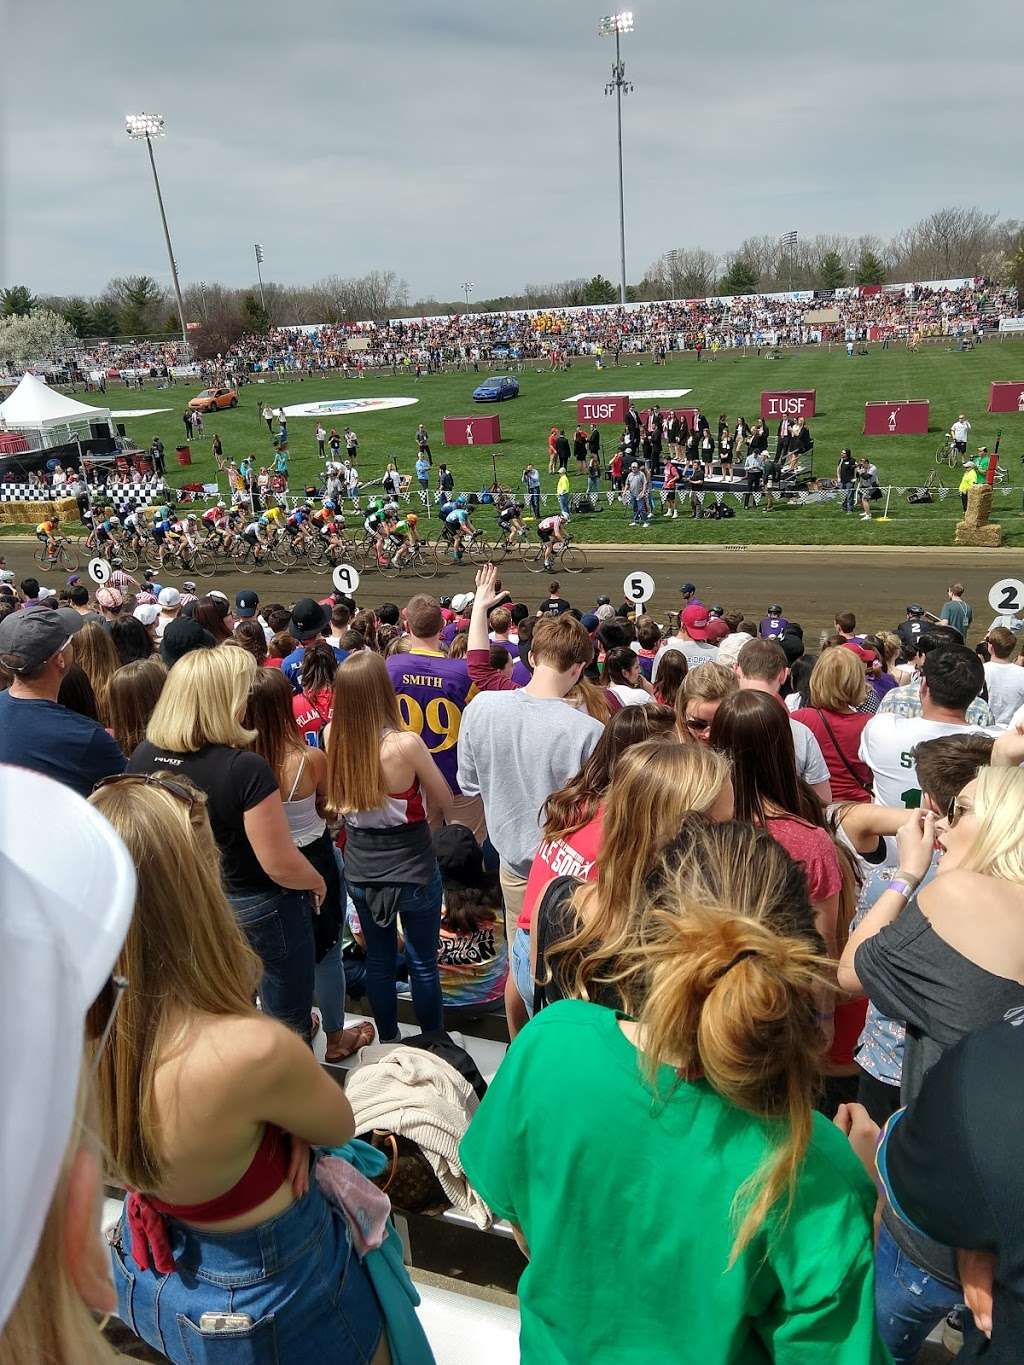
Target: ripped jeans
(909,1301)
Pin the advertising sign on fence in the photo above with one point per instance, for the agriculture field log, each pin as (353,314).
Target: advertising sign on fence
(1006,395)
(471,431)
(779,403)
(609,407)
(1011,324)
(899,417)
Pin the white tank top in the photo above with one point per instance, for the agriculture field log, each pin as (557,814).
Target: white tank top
(304,823)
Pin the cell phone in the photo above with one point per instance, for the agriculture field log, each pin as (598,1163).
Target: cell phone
(216,1323)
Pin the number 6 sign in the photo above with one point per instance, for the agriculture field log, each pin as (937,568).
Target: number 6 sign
(345,578)
(638,587)
(99,570)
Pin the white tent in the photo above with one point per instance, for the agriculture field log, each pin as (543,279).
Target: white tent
(36,409)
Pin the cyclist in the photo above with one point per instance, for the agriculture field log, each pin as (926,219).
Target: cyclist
(256,535)
(275,516)
(459,527)
(377,525)
(132,529)
(187,531)
(552,536)
(402,538)
(162,529)
(510,520)
(46,533)
(213,518)
(105,533)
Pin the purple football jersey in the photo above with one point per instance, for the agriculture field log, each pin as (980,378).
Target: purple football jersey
(432,693)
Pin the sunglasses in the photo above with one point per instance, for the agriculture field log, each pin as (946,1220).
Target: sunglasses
(179,790)
(954,811)
(697,725)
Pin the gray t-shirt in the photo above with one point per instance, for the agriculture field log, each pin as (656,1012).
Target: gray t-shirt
(514,751)
(695,651)
(909,972)
(1005,684)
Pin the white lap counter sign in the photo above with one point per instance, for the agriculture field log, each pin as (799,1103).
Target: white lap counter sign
(99,570)
(346,579)
(1007,596)
(638,587)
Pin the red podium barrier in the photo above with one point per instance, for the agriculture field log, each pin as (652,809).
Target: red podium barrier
(1006,395)
(471,431)
(779,403)
(608,407)
(899,417)
(668,414)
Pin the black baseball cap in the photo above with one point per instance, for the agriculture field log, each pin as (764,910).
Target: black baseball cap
(915,610)
(308,619)
(458,855)
(246,602)
(688,588)
(181,637)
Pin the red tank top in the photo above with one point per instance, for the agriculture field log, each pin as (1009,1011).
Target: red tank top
(264,1177)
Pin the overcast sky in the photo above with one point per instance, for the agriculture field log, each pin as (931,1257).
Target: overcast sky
(453,142)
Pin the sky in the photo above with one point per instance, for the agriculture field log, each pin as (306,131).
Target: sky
(452,142)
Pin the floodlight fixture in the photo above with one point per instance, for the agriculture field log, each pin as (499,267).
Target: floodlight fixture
(467,288)
(613,26)
(144,128)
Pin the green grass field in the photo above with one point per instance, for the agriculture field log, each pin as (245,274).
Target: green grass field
(732,383)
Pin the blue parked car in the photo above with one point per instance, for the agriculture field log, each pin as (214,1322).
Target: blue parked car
(496,388)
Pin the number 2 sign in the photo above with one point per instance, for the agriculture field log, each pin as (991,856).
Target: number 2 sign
(638,587)
(1007,596)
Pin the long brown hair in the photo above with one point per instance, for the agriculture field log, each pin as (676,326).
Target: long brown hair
(709,682)
(365,705)
(318,667)
(132,693)
(732,976)
(655,784)
(754,730)
(269,713)
(185,955)
(94,650)
(672,673)
(575,805)
(592,699)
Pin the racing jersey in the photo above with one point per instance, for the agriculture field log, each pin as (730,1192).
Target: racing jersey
(551,524)
(458,518)
(46,528)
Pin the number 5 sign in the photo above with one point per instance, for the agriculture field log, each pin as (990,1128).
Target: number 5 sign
(638,587)
(346,579)
(1007,596)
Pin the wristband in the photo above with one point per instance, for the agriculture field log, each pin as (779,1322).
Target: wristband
(901,874)
(902,888)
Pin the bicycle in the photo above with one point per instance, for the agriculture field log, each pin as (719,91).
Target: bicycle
(64,556)
(512,544)
(547,558)
(244,556)
(948,454)
(475,549)
(419,558)
(189,561)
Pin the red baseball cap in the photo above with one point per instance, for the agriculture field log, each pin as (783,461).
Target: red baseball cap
(866,656)
(696,620)
(717,630)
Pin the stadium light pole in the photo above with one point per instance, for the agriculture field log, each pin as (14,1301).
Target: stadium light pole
(788,240)
(467,288)
(259,273)
(614,25)
(146,127)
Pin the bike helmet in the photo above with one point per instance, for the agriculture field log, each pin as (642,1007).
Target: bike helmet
(412,519)
(163,511)
(328,505)
(460,501)
(377,505)
(264,521)
(191,517)
(221,506)
(115,521)
(188,586)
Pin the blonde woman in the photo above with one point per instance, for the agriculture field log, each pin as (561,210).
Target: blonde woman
(702,692)
(384,782)
(949,960)
(196,731)
(695,1118)
(653,786)
(838,687)
(209,1110)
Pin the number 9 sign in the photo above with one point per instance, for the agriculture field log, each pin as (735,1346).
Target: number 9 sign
(638,587)
(99,570)
(346,578)
(1007,596)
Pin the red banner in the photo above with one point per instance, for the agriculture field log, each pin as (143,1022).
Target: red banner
(779,403)
(903,417)
(609,407)
(1006,396)
(471,431)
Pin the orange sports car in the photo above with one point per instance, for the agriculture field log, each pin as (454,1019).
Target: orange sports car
(212,399)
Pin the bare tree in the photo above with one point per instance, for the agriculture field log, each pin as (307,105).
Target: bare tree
(684,273)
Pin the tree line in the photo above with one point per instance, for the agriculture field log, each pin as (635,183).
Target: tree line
(949,243)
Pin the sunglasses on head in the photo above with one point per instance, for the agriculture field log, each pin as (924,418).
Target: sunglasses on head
(178,790)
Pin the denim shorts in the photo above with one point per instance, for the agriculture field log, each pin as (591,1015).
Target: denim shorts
(294,1278)
(521,973)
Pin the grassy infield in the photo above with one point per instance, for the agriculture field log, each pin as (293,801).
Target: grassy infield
(732,383)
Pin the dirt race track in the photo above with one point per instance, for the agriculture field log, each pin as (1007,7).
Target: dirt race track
(810,583)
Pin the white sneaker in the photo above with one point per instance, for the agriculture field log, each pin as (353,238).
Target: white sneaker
(865,516)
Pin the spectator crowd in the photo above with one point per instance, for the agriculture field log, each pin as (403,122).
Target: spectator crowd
(753,916)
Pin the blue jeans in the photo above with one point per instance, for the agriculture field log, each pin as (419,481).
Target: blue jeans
(296,1277)
(849,494)
(420,911)
(909,1302)
(563,504)
(534,499)
(279,927)
(521,973)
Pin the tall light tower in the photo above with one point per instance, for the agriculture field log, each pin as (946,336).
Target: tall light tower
(788,240)
(259,273)
(615,25)
(467,288)
(146,127)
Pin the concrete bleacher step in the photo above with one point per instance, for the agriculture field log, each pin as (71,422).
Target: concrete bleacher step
(464,1328)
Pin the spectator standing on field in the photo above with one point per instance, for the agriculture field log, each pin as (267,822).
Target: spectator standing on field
(960,432)
(321,438)
(956,612)
(636,491)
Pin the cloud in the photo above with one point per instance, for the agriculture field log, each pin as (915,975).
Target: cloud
(450,141)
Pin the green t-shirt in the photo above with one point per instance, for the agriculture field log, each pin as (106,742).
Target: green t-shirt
(957,614)
(624,1201)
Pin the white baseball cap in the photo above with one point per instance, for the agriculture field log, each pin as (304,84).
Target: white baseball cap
(66,906)
(462,600)
(147,612)
(169,598)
